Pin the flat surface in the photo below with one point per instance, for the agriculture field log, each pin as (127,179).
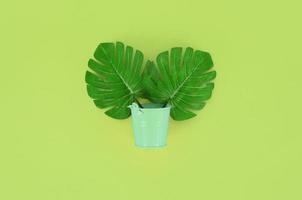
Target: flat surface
(245,144)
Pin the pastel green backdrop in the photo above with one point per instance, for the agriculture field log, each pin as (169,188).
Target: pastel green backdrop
(245,144)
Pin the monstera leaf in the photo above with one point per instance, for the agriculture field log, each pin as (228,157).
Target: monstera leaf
(182,80)
(115,78)
(151,84)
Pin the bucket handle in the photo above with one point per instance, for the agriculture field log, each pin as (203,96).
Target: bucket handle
(135,107)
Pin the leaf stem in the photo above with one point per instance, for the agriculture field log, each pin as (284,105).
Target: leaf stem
(138,103)
(165,104)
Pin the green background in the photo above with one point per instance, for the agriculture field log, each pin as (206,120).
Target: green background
(245,144)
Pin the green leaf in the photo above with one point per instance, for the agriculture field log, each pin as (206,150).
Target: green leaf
(150,80)
(115,77)
(185,81)
(120,111)
(179,113)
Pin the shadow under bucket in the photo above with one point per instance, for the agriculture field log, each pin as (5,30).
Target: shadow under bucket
(150,125)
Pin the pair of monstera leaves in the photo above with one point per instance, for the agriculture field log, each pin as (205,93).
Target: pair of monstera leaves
(180,78)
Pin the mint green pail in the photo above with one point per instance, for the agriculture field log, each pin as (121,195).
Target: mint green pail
(150,125)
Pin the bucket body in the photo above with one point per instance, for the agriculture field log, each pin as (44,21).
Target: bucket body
(150,125)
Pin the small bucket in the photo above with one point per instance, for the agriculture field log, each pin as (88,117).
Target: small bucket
(150,125)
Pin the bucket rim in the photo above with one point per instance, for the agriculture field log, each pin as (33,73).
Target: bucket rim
(164,108)
(167,107)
